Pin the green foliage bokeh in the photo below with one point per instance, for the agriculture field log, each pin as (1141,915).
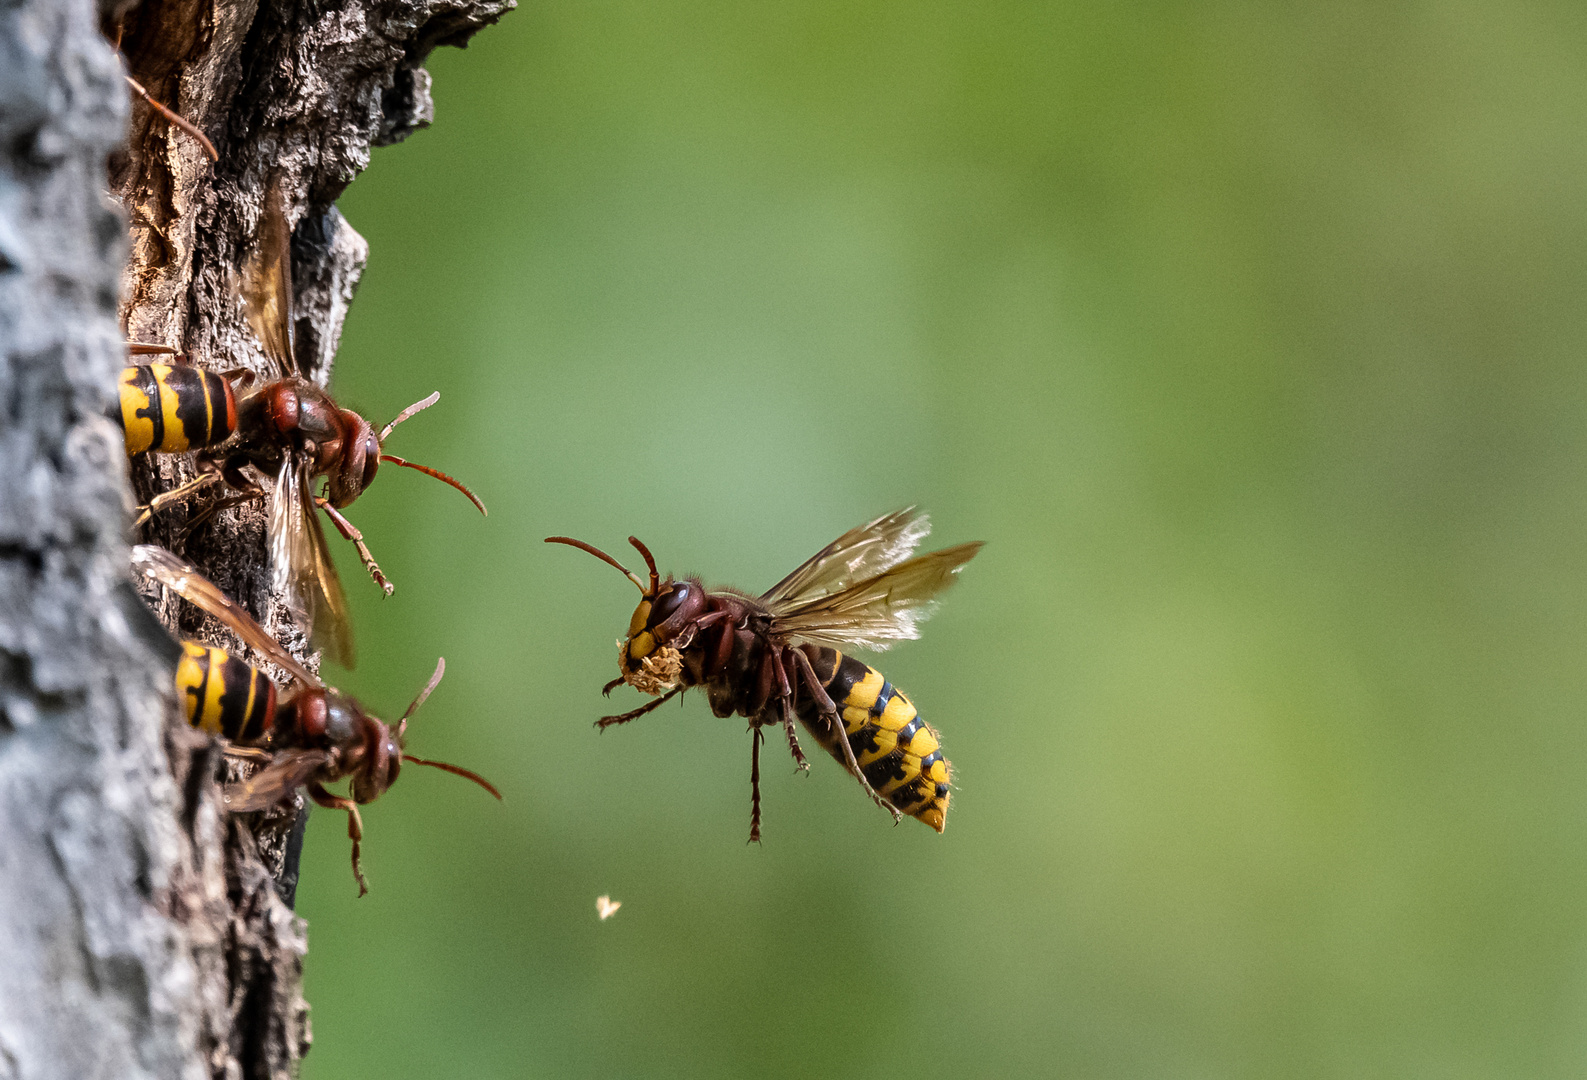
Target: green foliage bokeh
(1250,339)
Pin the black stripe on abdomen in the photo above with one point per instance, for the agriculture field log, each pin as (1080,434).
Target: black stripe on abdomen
(244,701)
(196,401)
(883,696)
(884,771)
(845,674)
(914,795)
(154,412)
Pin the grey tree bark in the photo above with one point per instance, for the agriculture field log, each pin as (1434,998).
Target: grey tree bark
(143,932)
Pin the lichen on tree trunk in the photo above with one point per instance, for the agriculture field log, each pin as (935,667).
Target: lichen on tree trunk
(142,933)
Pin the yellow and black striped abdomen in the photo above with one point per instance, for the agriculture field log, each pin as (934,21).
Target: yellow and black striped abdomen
(172,409)
(223,695)
(897,750)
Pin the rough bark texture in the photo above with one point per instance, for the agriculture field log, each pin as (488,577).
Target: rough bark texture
(142,933)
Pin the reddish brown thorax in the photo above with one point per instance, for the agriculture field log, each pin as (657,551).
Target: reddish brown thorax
(362,746)
(294,413)
(310,716)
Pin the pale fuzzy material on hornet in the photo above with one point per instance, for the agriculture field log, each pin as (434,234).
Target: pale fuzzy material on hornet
(657,672)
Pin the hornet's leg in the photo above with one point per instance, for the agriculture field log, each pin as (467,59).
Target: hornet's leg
(754,784)
(763,683)
(245,753)
(177,494)
(174,118)
(350,532)
(801,763)
(692,630)
(717,659)
(149,348)
(242,376)
(829,710)
(214,508)
(355,826)
(607,721)
(785,705)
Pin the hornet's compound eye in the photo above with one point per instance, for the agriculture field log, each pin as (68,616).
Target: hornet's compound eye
(371,459)
(669,602)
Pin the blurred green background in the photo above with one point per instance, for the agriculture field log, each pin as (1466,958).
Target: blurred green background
(1250,338)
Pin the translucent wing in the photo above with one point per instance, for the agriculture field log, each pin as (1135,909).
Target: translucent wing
(301,566)
(267,284)
(290,770)
(184,579)
(878,611)
(858,554)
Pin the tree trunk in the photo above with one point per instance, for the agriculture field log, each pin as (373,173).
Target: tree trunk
(143,931)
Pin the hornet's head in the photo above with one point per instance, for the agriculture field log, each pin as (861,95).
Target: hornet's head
(375,757)
(380,760)
(362,746)
(362,452)
(648,657)
(360,457)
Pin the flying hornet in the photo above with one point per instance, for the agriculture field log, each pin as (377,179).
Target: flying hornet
(308,736)
(289,429)
(774,657)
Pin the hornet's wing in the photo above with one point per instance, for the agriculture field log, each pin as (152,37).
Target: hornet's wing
(289,770)
(184,579)
(266,285)
(301,565)
(877,611)
(860,553)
